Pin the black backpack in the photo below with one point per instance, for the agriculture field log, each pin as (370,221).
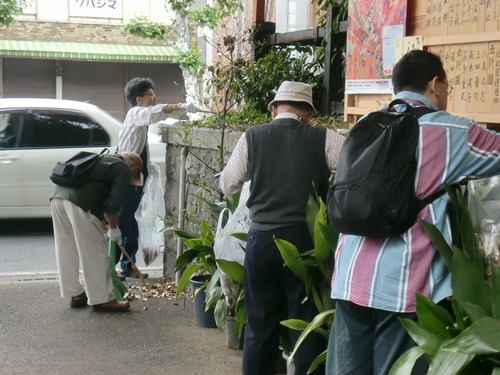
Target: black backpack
(374,189)
(76,170)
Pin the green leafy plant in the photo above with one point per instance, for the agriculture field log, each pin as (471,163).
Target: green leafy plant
(190,60)
(199,258)
(235,271)
(142,27)
(9,9)
(315,268)
(467,341)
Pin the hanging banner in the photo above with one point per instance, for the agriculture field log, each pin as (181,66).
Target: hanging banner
(373,27)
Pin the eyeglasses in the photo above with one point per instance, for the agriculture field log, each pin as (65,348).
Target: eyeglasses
(449,88)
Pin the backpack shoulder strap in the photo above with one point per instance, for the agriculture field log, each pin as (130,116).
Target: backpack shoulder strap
(399,105)
(420,111)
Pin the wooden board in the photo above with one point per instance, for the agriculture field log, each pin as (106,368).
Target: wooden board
(466,34)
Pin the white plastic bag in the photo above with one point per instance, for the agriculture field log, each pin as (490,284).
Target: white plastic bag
(150,217)
(229,247)
(484,208)
(226,246)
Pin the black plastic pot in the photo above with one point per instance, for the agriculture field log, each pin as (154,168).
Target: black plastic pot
(201,317)
(233,341)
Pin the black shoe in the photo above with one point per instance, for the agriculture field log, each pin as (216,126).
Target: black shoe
(79,300)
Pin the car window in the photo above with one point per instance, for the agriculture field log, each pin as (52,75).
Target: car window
(57,129)
(10,126)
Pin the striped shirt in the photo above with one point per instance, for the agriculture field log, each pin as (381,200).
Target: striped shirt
(386,273)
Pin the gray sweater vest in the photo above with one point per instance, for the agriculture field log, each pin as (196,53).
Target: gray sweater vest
(287,162)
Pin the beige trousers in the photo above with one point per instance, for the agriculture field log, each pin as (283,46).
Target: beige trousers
(80,241)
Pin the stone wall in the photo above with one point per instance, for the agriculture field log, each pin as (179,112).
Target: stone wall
(201,147)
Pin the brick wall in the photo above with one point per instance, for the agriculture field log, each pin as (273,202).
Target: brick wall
(72,32)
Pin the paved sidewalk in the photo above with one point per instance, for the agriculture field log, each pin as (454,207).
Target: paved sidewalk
(41,335)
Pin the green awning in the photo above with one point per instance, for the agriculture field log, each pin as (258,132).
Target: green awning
(86,51)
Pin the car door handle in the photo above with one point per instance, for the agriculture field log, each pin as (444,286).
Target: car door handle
(7,159)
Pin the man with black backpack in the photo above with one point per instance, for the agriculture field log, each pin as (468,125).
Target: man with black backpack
(376,278)
(80,215)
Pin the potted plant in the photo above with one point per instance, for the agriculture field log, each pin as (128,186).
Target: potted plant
(315,268)
(200,268)
(235,319)
(467,341)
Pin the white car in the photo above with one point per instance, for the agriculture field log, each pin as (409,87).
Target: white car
(35,134)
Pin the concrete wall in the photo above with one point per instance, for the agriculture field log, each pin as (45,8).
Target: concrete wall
(201,146)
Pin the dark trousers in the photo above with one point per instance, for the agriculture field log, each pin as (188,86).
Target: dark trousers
(273,293)
(128,226)
(366,341)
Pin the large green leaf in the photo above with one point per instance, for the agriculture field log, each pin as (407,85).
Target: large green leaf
(186,276)
(495,290)
(316,324)
(220,313)
(459,317)
(232,269)
(322,247)
(241,318)
(181,233)
(295,324)
(468,282)
(206,234)
(198,245)
(317,361)
(434,316)
(405,363)
(185,258)
(439,242)
(242,236)
(311,213)
(329,235)
(427,338)
(292,258)
(473,311)
(482,337)
(212,297)
(467,233)
(449,363)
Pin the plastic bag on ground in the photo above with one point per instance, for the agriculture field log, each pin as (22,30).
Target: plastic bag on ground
(150,217)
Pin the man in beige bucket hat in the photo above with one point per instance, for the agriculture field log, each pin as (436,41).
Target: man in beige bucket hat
(285,160)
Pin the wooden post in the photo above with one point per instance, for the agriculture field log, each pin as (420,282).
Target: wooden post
(333,82)
(258,11)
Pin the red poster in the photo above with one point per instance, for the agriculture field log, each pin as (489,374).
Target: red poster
(373,26)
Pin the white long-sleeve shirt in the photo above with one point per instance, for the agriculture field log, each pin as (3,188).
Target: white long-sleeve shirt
(134,131)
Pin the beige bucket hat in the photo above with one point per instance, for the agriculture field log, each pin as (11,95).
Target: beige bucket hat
(293,92)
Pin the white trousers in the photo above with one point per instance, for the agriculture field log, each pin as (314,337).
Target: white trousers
(80,240)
